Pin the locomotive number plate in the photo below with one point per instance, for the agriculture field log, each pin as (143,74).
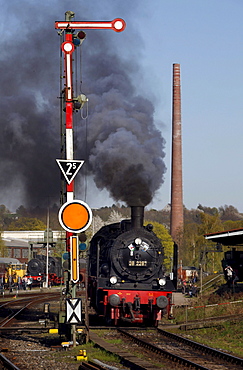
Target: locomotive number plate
(137,263)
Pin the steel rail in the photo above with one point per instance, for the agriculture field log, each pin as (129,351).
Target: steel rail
(163,352)
(7,363)
(91,366)
(202,347)
(32,301)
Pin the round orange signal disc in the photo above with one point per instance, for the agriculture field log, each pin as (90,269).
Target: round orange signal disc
(75,216)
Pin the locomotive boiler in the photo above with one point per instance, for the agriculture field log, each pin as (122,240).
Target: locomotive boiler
(127,280)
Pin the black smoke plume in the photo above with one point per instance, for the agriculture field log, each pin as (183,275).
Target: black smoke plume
(124,150)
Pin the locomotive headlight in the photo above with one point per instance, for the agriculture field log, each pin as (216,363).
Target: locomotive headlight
(138,241)
(113,280)
(162,281)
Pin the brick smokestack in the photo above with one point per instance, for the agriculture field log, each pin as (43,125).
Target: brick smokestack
(176,217)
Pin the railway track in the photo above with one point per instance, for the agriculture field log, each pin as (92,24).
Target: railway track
(91,366)
(17,306)
(183,351)
(160,346)
(6,364)
(20,348)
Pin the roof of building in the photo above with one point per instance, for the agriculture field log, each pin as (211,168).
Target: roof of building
(16,243)
(9,260)
(227,237)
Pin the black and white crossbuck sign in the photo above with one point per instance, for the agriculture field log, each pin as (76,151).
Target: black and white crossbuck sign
(73,310)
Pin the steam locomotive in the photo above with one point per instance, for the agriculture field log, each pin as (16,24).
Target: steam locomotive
(127,281)
(37,269)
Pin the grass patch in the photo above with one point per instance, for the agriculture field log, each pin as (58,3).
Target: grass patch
(216,305)
(114,341)
(227,336)
(92,352)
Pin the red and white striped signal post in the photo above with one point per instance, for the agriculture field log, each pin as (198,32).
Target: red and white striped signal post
(75,216)
(68,47)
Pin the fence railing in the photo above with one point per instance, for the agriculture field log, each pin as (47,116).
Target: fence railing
(209,284)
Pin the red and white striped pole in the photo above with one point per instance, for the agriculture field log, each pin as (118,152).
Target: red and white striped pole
(68,47)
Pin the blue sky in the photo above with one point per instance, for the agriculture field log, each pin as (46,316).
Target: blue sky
(205,38)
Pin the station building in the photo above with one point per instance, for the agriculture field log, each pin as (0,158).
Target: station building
(22,244)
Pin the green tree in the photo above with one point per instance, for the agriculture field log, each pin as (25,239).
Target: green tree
(209,224)
(189,253)
(229,225)
(209,260)
(3,248)
(163,234)
(27,223)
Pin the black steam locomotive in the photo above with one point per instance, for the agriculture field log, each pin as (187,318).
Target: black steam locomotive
(127,280)
(37,269)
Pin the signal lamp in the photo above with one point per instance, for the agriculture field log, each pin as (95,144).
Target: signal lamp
(76,42)
(82,247)
(66,256)
(82,237)
(81,35)
(79,38)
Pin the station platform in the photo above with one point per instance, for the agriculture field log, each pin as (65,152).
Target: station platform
(179,299)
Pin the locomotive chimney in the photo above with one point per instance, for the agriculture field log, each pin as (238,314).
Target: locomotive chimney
(137,216)
(176,217)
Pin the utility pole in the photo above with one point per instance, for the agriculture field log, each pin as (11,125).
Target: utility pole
(47,248)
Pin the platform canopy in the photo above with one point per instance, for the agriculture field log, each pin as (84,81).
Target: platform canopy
(227,237)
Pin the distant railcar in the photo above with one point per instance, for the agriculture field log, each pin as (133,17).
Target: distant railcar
(11,269)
